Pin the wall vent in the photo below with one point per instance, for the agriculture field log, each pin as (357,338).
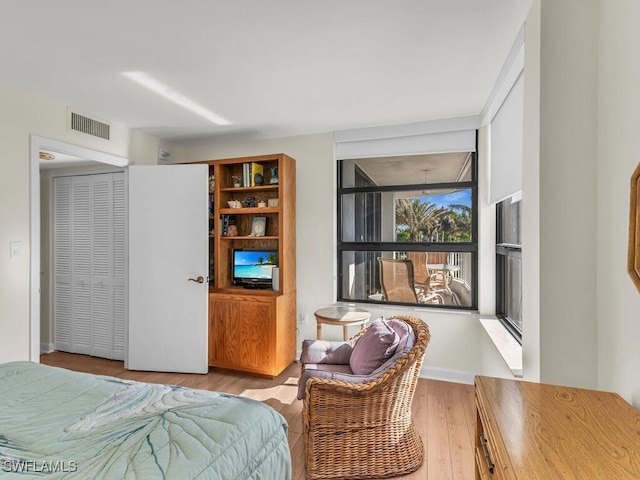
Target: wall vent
(90,126)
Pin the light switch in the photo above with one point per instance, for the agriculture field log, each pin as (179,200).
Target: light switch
(15,249)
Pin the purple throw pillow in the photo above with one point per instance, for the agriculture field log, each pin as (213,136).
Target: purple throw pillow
(375,347)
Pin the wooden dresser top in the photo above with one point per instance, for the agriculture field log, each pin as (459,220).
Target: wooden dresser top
(553,432)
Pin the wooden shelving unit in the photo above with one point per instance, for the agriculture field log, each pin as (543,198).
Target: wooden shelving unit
(252,330)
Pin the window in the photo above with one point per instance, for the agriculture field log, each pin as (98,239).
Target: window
(509,266)
(407,230)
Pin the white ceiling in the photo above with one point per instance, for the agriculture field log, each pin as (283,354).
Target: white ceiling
(414,169)
(273,68)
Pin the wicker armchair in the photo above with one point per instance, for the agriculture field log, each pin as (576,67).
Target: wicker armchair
(362,428)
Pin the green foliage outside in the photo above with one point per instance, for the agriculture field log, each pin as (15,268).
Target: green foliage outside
(418,221)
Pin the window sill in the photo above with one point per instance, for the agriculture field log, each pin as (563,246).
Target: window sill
(508,347)
(410,308)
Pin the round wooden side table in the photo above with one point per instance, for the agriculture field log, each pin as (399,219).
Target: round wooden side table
(345,316)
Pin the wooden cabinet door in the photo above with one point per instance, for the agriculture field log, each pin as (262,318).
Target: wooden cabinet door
(219,311)
(242,334)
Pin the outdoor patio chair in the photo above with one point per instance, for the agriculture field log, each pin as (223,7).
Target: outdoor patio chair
(396,280)
(437,277)
(427,291)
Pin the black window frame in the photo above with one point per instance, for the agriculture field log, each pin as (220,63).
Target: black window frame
(504,251)
(462,247)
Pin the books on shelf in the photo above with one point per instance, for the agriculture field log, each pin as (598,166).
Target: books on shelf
(249,171)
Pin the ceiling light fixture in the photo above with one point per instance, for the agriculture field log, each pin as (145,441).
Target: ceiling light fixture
(158,87)
(426,192)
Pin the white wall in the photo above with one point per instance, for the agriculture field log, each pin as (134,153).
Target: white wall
(486,229)
(618,154)
(560,251)
(530,214)
(21,115)
(582,70)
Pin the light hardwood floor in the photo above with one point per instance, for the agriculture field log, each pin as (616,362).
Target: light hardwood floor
(443,412)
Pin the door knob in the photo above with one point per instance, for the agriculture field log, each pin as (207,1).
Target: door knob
(200,279)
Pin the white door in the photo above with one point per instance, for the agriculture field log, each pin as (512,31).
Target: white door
(168,246)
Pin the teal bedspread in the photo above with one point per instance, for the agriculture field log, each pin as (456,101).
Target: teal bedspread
(55,423)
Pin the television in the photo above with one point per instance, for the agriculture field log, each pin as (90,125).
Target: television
(253,268)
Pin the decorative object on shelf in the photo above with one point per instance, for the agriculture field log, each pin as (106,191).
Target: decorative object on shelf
(226,222)
(250,202)
(257,173)
(258,226)
(633,256)
(272,202)
(274,176)
(261,204)
(212,183)
(275,278)
(234,204)
(237,181)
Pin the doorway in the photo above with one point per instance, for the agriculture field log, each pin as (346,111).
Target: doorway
(38,144)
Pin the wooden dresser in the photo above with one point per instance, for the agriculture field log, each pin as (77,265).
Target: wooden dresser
(535,431)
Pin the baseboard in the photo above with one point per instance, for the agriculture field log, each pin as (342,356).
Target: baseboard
(46,347)
(455,376)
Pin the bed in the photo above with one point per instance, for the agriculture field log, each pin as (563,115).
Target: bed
(63,424)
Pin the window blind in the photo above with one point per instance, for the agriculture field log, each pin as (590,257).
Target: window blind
(439,136)
(506,145)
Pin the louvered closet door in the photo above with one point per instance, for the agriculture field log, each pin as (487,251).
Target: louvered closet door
(102,262)
(120,266)
(90,249)
(62,252)
(81,264)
